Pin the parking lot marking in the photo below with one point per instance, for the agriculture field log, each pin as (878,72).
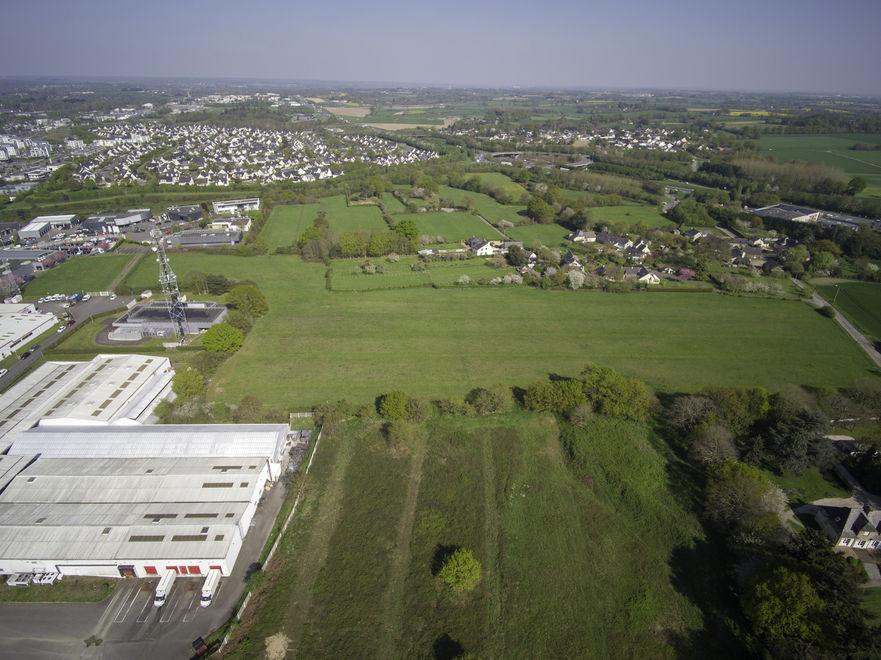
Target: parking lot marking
(145,611)
(192,606)
(119,594)
(170,604)
(126,605)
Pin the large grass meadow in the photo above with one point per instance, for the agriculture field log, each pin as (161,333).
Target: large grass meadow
(320,345)
(860,302)
(82,274)
(832,150)
(452,226)
(580,539)
(630,215)
(485,205)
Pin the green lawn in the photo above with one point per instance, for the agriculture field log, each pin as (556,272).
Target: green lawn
(395,276)
(832,150)
(551,235)
(452,226)
(566,567)
(872,602)
(465,337)
(67,590)
(448,273)
(809,486)
(860,302)
(79,274)
(630,215)
(286,223)
(501,181)
(392,204)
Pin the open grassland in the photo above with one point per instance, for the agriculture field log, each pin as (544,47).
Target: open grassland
(579,537)
(631,215)
(392,204)
(452,226)
(79,274)
(550,235)
(501,181)
(832,150)
(358,217)
(316,345)
(286,223)
(485,205)
(348,276)
(860,302)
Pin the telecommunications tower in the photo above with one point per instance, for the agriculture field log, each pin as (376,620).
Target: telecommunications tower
(168,281)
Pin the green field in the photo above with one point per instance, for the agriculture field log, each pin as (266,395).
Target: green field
(392,204)
(395,276)
(630,215)
(832,150)
(452,226)
(485,205)
(78,275)
(286,223)
(570,566)
(860,302)
(466,337)
(359,217)
(548,235)
(501,181)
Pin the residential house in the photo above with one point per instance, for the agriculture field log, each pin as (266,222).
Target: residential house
(480,247)
(571,260)
(582,237)
(642,274)
(857,527)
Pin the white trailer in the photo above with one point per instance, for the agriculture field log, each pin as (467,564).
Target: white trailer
(164,587)
(209,587)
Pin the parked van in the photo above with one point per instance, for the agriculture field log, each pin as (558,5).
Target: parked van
(164,588)
(209,587)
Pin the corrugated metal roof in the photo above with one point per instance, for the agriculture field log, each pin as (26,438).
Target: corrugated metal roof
(163,441)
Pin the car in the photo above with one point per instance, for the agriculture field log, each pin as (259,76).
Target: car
(61,328)
(112,296)
(26,355)
(35,347)
(65,305)
(3,372)
(87,297)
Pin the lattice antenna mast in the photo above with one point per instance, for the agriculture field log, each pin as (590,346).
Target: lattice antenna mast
(168,282)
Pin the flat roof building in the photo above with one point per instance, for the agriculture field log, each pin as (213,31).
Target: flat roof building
(232,205)
(19,324)
(35,229)
(788,212)
(196,238)
(106,390)
(57,221)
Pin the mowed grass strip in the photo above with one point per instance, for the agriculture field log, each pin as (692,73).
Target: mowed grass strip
(452,226)
(79,274)
(860,302)
(316,345)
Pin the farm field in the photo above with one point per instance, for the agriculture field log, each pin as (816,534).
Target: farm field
(485,205)
(500,180)
(79,275)
(832,150)
(630,215)
(360,217)
(556,541)
(392,204)
(549,235)
(286,223)
(860,302)
(471,336)
(395,276)
(452,226)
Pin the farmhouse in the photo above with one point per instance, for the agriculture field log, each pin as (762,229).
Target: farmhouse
(480,247)
(582,237)
(857,527)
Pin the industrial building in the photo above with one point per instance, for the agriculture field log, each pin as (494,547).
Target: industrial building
(190,213)
(200,238)
(234,205)
(135,500)
(154,320)
(20,323)
(109,389)
(35,230)
(57,221)
(788,212)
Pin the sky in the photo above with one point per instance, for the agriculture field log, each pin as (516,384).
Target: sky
(751,45)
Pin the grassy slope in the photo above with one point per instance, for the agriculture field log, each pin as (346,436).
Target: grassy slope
(92,273)
(568,568)
(485,205)
(860,302)
(305,351)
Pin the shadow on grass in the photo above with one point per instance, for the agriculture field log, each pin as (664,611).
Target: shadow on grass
(441,552)
(446,648)
(699,573)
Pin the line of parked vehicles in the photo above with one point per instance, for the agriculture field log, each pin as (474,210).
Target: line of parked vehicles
(72,299)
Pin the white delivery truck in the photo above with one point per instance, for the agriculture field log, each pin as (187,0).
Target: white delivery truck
(209,587)
(164,587)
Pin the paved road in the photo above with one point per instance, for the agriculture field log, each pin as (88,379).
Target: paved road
(127,623)
(857,336)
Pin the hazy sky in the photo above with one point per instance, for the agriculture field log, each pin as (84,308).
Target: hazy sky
(786,45)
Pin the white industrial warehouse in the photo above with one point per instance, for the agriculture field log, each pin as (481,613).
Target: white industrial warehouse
(87,489)
(19,324)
